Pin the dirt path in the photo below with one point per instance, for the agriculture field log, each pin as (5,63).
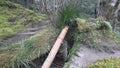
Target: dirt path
(84,56)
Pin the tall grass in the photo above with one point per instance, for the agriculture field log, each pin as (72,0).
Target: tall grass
(30,49)
(66,14)
(20,54)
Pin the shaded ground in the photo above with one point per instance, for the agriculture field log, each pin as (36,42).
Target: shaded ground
(57,63)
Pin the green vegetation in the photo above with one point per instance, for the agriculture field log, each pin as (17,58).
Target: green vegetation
(67,64)
(90,33)
(106,63)
(73,50)
(117,36)
(79,13)
(90,30)
(23,52)
(74,10)
(71,53)
(14,18)
(66,14)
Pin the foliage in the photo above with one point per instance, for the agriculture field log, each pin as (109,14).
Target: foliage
(14,18)
(106,63)
(21,53)
(115,36)
(66,14)
(73,50)
(74,9)
(90,30)
(67,64)
(71,53)
(117,33)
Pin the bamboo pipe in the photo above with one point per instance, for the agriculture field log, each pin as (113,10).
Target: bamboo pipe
(55,48)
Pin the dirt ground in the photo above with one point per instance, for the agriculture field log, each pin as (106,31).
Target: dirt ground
(85,56)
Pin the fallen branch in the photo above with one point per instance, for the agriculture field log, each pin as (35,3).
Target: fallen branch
(55,48)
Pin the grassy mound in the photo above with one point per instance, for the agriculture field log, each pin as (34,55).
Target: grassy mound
(90,30)
(14,18)
(23,52)
(106,63)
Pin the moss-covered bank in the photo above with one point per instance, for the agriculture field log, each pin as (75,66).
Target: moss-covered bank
(14,18)
(23,52)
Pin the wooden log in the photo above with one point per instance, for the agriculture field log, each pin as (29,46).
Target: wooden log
(55,48)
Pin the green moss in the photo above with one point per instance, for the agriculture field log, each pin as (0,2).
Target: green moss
(6,32)
(82,24)
(73,50)
(14,18)
(93,24)
(106,63)
(88,31)
(92,30)
(67,64)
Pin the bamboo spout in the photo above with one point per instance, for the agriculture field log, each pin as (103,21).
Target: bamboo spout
(55,48)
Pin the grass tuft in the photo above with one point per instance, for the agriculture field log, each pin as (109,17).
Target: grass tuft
(21,53)
(66,14)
